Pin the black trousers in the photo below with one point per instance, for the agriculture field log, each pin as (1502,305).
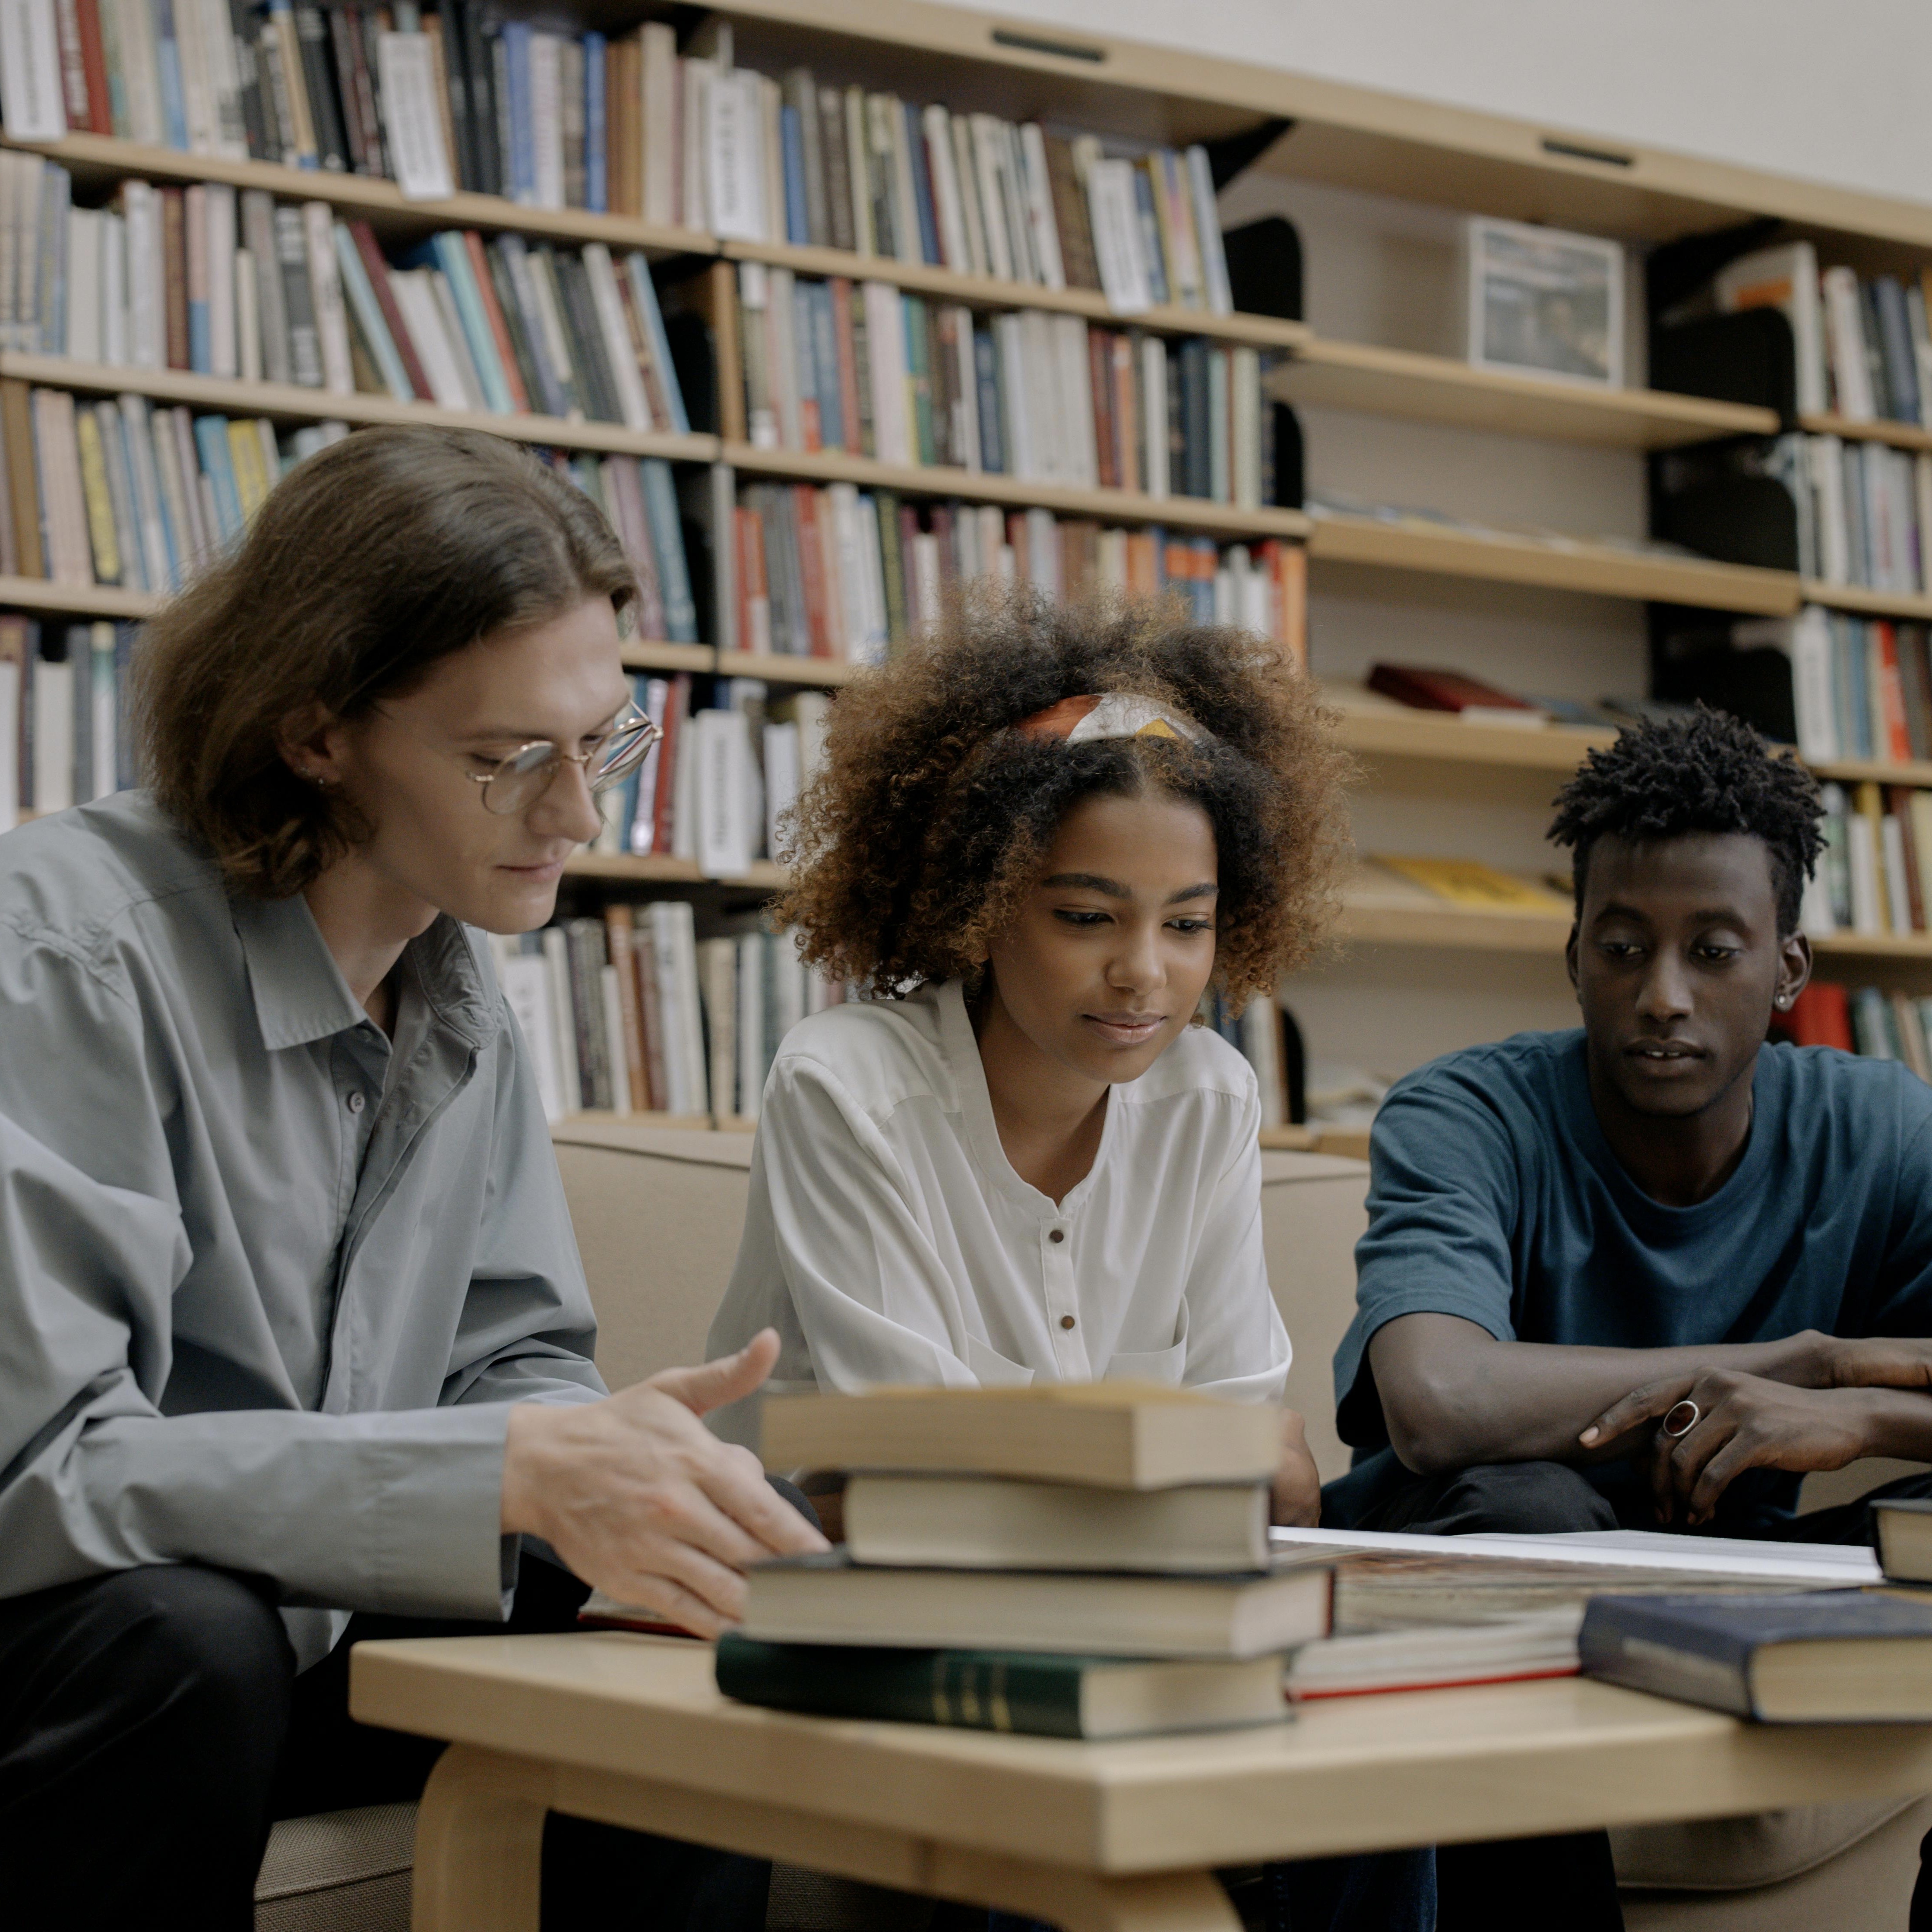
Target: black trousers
(152,1728)
(1522,1884)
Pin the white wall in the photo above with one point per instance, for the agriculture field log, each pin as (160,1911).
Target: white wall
(1831,93)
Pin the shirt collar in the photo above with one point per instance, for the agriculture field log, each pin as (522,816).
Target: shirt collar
(301,995)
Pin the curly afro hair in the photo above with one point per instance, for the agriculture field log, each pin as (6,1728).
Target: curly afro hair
(914,846)
(1707,772)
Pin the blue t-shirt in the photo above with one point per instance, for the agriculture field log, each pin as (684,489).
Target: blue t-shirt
(1494,1195)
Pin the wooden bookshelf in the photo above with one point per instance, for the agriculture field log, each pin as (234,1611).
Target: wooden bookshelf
(987,292)
(1107,506)
(785,667)
(288,402)
(1377,727)
(1855,597)
(98,161)
(643,655)
(86,600)
(1599,569)
(656,869)
(1900,436)
(1435,388)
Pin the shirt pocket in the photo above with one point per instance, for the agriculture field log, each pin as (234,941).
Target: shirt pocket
(992,1368)
(1165,1366)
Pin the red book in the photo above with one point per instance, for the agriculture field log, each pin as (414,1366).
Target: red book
(754,599)
(1126,431)
(1100,369)
(94,65)
(811,568)
(848,363)
(1428,689)
(677,701)
(378,271)
(486,291)
(1821,1015)
(1891,695)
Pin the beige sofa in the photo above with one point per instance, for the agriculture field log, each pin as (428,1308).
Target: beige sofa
(657,1213)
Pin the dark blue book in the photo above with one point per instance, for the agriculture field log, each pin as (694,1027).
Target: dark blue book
(596,161)
(798,220)
(986,380)
(1819,1656)
(1895,348)
(922,186)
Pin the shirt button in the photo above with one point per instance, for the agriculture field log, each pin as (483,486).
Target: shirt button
(1066,1322)
(356,1103)
(1058,1234)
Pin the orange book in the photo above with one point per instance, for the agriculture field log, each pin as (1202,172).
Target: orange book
(755,598)
(1289,569)
(811,568)
(1891,695)
(623,123)
(486,289)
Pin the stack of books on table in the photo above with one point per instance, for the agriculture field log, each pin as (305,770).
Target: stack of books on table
(1076,1561)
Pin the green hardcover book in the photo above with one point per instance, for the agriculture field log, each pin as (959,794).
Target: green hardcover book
(891,563)
(919,376)
(1004,1690)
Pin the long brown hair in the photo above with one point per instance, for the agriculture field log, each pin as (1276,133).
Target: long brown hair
(375,558)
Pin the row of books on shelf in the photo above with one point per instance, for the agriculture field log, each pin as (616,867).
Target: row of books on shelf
(840,573)
(634,1011)
(1861,688)
(1869,1021)
(63,737)
(123,492)
(1875,877)
(1864,350)
(627,125)
(865,368)
(234,283)
(1864,509)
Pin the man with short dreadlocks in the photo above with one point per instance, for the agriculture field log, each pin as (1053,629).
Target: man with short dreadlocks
(1649,1272)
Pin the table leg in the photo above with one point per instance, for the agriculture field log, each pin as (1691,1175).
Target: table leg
(479,1844)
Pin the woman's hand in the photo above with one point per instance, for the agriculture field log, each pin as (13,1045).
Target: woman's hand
(1296,1502)
(639,1498)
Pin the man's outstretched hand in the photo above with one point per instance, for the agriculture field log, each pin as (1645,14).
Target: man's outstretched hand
(1747,1422)
(639,1498)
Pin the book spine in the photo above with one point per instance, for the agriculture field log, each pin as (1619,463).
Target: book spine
(965,1690)
(1622,1642)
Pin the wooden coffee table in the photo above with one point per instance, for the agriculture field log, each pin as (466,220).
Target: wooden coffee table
(1106,1837)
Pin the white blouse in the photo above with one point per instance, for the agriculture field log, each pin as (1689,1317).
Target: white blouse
(888,1239)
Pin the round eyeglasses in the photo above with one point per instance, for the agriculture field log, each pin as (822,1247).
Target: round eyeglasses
(515,783)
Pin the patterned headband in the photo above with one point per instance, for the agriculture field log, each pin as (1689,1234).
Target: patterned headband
(1119,714)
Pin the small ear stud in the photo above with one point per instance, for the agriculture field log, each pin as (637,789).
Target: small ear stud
(1783,1000)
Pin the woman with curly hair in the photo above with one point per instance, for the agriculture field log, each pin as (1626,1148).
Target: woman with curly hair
(1037,841)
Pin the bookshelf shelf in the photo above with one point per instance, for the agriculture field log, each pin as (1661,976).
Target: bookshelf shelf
(643,655)
(72,600)
(765,875)
(1114,506)
(1599,569)
(984,291)
(1377,726)
(98,160)
(288,402)
(1868,603)
(781,668)
(1900,436)
(1435,389)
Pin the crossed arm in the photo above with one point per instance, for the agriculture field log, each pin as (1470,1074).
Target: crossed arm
(1454,1396)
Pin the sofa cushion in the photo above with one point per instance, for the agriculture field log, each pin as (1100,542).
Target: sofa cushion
(338,1871)
(658,1211)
